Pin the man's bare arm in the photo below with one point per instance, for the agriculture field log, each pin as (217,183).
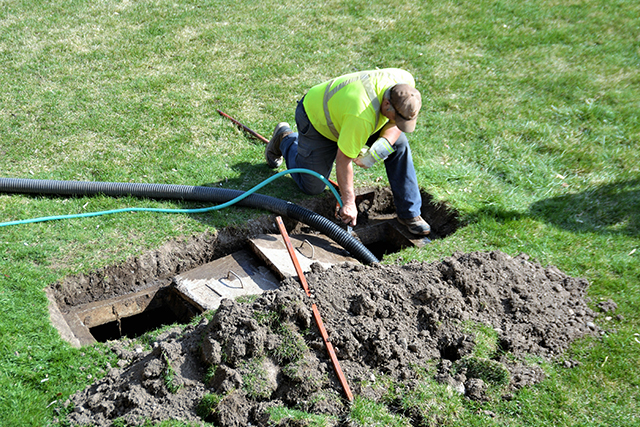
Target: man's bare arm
(390,132)
(344,173)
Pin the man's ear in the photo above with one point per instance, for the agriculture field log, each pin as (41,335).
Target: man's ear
(387,105)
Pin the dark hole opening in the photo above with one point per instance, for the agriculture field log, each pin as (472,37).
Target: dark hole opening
(382,248)
(383,239)
(455,348)
(450,353)
(168,309)
(134,326)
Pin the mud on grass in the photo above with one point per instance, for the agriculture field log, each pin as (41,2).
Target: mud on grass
(463,327)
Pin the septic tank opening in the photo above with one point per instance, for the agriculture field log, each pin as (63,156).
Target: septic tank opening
(134,326)
(168,308)
(387,236)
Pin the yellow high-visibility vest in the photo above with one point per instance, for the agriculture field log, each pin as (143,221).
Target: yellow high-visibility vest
(347,109)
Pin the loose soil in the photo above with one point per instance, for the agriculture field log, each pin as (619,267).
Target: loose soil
(385,321)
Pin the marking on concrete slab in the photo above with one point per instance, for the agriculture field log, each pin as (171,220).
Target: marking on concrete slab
(227,277)
(311,248)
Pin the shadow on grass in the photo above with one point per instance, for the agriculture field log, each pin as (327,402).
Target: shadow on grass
(609,209)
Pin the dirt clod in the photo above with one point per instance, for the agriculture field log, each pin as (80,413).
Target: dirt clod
(608,306)
(472,317)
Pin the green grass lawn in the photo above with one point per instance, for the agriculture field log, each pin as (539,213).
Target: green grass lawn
(530,129)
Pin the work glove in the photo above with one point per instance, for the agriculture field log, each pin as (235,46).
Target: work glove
(380,150)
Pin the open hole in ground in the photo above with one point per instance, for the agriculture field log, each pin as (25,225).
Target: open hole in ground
(134,326)
(166,307)
(185,278)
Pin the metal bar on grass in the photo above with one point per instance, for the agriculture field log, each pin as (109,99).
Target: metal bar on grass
(245,128)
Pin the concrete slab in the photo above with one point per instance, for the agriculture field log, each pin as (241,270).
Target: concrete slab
(58,320)
(310,248)
(74,326)
(80,331)
(228,277)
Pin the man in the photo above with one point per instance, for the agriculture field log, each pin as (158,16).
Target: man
(361,119)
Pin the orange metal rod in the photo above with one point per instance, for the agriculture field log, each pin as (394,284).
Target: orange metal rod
(332,353)
(246,129)
(292,254)
(316,313)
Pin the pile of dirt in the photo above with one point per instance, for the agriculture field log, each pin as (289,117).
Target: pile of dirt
(382,320)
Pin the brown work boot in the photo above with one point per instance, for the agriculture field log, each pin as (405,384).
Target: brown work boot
(416,225)
(272,153)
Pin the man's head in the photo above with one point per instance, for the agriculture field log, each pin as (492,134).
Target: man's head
(406,101)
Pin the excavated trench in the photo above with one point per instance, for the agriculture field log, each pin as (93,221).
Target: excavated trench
(182,279)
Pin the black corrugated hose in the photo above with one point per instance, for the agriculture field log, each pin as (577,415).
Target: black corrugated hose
(192,194)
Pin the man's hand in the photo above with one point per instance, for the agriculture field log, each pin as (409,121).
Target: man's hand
(349,214)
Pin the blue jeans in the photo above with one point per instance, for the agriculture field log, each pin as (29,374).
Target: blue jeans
(310,150)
